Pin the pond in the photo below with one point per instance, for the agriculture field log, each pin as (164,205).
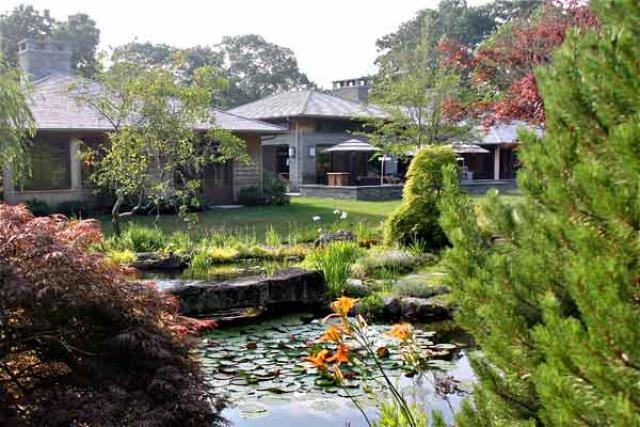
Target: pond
(260,368)
(218,273)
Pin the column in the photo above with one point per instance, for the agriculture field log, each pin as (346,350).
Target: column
(496,163)
(76,165)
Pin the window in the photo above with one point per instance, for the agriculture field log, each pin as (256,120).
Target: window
(50,166)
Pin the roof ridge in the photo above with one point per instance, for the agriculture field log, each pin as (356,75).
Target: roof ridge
(247,118)
(306,101)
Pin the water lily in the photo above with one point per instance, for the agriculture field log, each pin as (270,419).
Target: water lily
(402,331)
(343,305)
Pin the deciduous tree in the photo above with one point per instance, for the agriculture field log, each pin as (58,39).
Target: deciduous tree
(163,136)
(16,122)
(79,345)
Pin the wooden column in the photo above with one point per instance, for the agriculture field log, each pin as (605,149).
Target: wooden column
(76,165)
(496,163)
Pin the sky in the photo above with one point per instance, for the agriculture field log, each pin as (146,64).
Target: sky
(332,39)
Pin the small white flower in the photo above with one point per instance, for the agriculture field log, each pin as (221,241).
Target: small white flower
(344,215)
(315,218)
(336,212)
(319,230)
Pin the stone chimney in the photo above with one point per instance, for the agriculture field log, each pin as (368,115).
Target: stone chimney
(39,59)
(356,90)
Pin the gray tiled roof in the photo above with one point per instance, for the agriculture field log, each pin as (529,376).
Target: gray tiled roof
(505,133)
(306,103)
(55,107)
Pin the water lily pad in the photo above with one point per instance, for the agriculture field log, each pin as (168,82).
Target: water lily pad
(253,410)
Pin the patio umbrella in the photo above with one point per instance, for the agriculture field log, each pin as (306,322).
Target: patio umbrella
(465,148)
(354,146)
(351,145)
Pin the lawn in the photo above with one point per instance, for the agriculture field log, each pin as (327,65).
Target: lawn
(296,217)
(256,220)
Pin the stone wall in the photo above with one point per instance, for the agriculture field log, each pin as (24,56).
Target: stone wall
(364,192)
(481,186)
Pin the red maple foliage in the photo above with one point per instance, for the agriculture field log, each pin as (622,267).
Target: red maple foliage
(504,67)
(79,344)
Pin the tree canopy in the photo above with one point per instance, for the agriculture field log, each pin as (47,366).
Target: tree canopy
(16,122)
(159,144)
(253,67)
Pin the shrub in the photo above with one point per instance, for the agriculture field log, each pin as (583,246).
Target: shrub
(39,207)
(549,287)
(124,256)
(139,238)
(179,242)
(381,262)
(274,189)
(334,261)
(371,306)
(251,196)
(79,345)
(73,209)
(418,215)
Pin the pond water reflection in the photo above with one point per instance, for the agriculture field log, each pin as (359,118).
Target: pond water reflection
(261,369)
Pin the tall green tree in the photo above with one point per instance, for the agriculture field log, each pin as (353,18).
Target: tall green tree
(414,99)
(156,152)
(79,31)
(16,122)
(82,35)
(549,287)
(257,68)
(452,20)
(253,67)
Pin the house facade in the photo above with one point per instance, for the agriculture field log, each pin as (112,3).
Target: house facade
(315,121)
(59,175)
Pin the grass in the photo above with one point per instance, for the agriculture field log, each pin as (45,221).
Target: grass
(265,221)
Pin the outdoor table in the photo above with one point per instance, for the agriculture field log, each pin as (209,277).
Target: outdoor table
(338,179)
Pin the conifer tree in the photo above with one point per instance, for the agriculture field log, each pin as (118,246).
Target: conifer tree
(550,287)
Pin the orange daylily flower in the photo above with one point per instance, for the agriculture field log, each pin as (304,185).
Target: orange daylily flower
(320,359)
(343,305)
(332,334)
(402,331)
(341,355)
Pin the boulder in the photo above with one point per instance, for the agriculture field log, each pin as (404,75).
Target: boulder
(338,236)
(416,309)
(356,288)
(158,261)
(289,290)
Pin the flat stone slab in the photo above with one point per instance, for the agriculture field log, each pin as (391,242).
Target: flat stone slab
(287,291)
(158,261)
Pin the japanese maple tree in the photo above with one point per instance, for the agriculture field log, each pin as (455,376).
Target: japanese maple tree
(80,345)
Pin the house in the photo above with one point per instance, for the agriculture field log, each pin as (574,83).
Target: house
(59,176)
(315,121)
